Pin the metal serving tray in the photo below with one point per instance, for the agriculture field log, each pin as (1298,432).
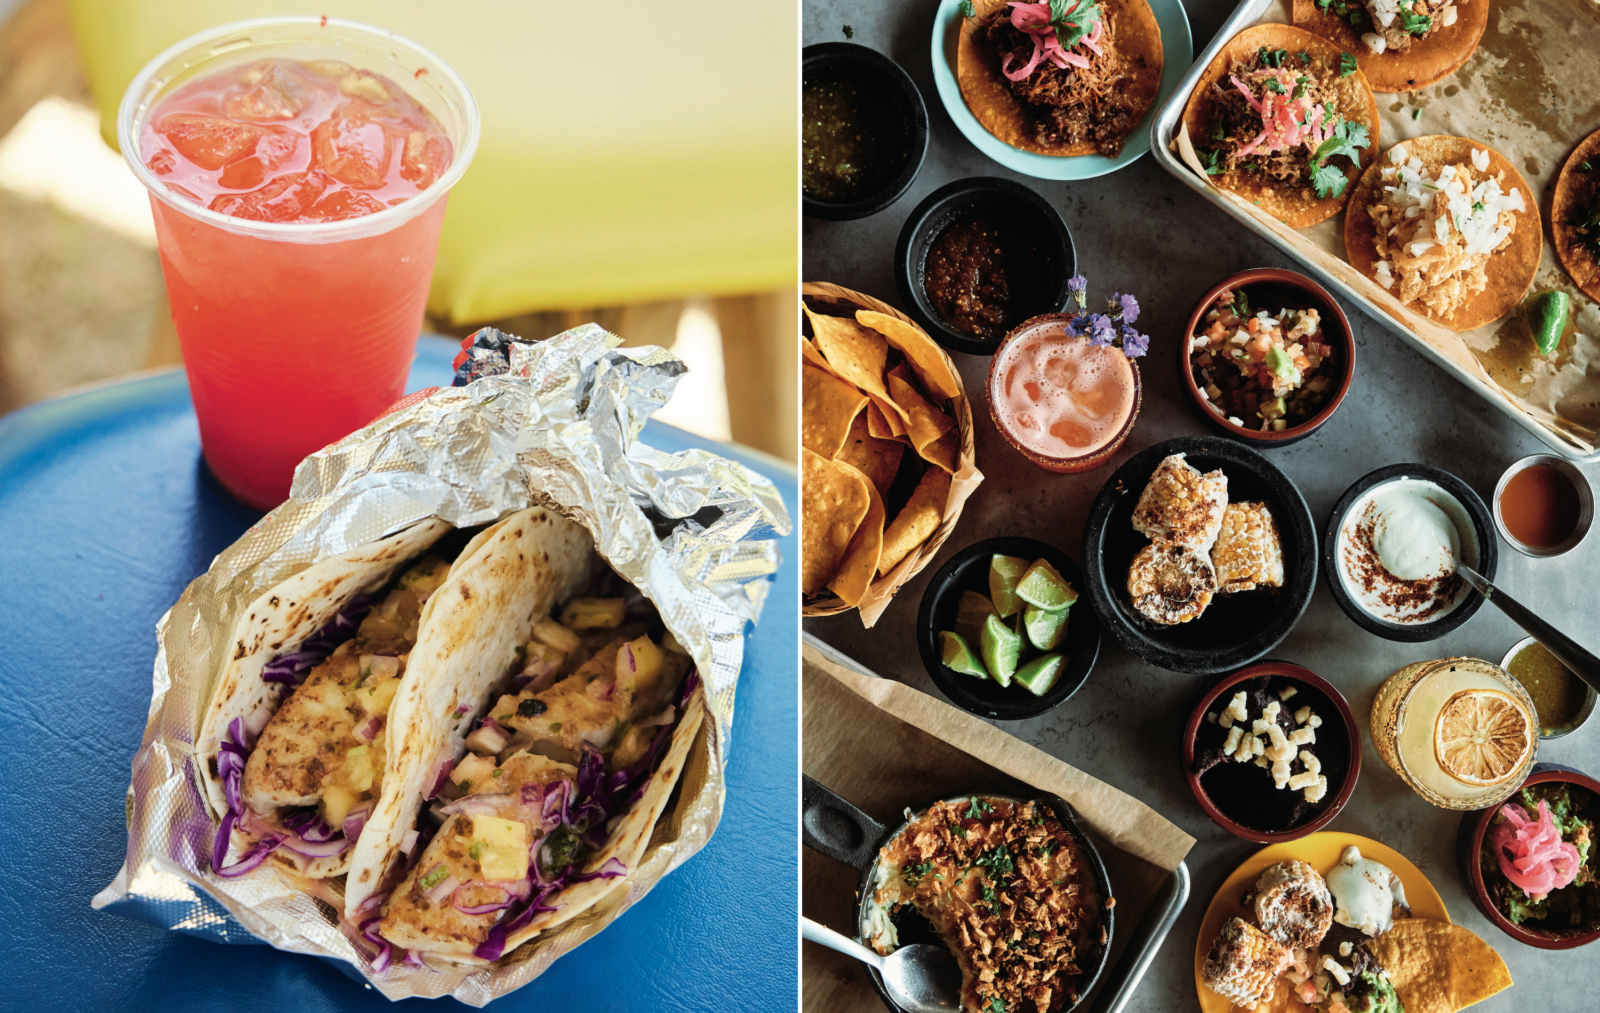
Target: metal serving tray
(1165,129)
(1116,989)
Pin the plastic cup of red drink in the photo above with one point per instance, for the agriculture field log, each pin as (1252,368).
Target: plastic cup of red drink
(1064,404)
(298,170)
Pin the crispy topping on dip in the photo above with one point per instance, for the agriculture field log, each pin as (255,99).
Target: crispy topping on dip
(1007,888)
(1434,234)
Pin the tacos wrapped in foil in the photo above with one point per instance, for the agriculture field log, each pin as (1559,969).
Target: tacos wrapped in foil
(426,560)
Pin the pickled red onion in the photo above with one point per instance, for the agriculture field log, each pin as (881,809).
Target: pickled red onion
(1285,120)
(1531,853)
(1034,19)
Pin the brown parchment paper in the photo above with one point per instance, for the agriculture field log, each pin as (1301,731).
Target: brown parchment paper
(1531,91)
(885,746)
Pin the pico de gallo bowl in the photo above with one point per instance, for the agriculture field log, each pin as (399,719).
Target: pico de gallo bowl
(1268,356)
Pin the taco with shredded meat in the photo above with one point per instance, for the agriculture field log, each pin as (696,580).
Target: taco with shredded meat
(1575,216)
(1448,226)
(1285,120)
(1401,45)
(1065,77)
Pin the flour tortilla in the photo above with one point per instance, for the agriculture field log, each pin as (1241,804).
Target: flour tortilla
(1510,270)
(280,621)
(1356,103)
(506,579)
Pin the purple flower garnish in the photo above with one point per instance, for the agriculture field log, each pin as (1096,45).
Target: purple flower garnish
(1101,330)
(1134,344)
(1130,307)
(1078,326)
(1077,283)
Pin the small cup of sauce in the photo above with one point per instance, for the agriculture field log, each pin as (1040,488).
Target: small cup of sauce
(1543,505)
(1562,701)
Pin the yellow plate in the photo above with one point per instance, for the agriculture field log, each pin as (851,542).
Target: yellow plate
(1321,851)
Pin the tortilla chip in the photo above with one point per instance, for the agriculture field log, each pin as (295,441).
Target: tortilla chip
(812,357)
(916,520)
(884,421)
(833,500)
(924,422)
(859,355)
(827,407)
(1425,62)
(1133,34)
(861,558)
(1291,206)
(945,452)
(875,458)
(925,357)
(1575,188)
(1438,967)
(1510,270)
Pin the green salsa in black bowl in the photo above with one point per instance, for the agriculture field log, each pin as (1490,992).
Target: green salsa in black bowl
(863,131)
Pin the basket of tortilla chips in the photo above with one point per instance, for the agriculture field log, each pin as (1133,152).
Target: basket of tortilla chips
(887,451)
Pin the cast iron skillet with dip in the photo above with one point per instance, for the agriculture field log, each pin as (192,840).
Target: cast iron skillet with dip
(1235,629)
(999,232)
(832,826)
(1381,555)
(968,570)
(864,131)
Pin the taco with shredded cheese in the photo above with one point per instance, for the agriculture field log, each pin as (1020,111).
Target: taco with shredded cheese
(1575,216)
(1448,226)
(1401,45)
(457,739)
(1065,77)
(1285,120)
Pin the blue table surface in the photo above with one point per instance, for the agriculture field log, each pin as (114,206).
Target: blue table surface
(106,514)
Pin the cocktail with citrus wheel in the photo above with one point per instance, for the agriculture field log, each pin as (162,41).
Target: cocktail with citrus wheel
(1460,732)
(298,171)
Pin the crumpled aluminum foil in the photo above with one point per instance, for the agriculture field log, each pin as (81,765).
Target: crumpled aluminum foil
(554,423)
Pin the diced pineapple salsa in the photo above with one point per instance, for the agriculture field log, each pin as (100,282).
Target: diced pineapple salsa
(1261,371)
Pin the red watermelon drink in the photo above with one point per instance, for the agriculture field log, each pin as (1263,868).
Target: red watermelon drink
(298,170)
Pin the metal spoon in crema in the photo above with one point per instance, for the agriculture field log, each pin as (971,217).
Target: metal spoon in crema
(1566,650)
(921,978)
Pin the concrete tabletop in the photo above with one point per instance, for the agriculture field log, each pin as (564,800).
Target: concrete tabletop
(1141,231)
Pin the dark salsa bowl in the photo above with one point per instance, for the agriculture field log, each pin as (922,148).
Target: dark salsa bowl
(1565,919)
(978,257)
(864,131)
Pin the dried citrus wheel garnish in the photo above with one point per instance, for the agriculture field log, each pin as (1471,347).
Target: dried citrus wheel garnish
(1482,736)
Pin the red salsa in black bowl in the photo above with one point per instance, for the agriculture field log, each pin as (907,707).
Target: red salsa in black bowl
(978,257)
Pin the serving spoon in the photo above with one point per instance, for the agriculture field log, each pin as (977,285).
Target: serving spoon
(1579,661)
(920,978)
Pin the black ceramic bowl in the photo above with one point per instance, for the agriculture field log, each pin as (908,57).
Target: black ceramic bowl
(968,570)
(1236,629)
(845,61)
(1488,555)
(1035,220)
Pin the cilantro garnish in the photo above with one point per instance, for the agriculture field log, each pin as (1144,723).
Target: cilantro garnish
(997,862)
(1416,24)
(977,807)
(1272,57)
(1073,20)
(850,33)
(914,872)
(990,899)
(1347,138)
(1347,65)
(1241,304)
(1477,205)
(1214,166)
(1216,131)
(1274,86)
(1350,10)
(1586,167)
(967,10)
(995,1005)
(1302,85)
(364,673)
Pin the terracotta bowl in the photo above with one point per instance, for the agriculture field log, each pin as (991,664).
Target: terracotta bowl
(1349,735)
(1469,845)
(1065,466)
(1290,287)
